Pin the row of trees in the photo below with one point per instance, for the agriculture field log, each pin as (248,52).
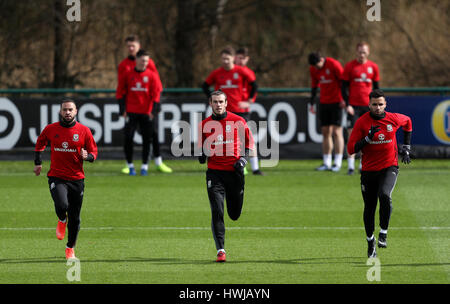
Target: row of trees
(39,47)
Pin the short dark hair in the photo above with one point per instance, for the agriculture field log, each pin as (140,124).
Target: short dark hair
(377,93)
(132,38)
(141,53)
(215,93)
(314,58)
(242,51)
(66,100)
(229,50)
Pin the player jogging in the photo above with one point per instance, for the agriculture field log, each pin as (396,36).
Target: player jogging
(326,73)
(226,141)
(71,144)
(239,84)
(360,77)
(374,135)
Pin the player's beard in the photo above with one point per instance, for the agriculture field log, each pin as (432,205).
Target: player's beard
(378,116)
(65,121)
(219,116)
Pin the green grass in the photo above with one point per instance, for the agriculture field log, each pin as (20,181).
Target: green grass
(297,226)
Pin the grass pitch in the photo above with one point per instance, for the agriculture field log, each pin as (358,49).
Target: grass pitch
(297,226)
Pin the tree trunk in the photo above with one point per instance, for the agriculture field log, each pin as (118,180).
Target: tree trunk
(59,64)
(185,41)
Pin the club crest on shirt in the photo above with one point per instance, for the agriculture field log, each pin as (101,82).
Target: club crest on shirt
(389,128)
(145,79)
(76,137)
(370,70)
(228,128)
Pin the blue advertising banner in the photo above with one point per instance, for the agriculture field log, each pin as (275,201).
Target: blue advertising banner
(430,117)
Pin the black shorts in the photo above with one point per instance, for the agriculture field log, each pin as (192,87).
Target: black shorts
(359,111)
(330,114)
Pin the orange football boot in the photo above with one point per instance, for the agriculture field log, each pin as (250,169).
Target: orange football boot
(221,256)
(61,230)
(70,254)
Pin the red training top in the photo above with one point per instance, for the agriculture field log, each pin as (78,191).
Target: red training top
(141,90)
(381,152)
(328,78)
(66,143)
(127,65)
(360,76)
(224,141)
(232,83)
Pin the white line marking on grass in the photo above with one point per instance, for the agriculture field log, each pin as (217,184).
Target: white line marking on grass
(228,228)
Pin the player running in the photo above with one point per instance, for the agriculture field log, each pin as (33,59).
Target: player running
(238,83)
(360,77)
(226,141)
(374,135)
(127,65)
(71,144)
(326,73)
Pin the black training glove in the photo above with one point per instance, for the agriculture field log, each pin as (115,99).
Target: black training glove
(156,108)
(404,152)
(122,107)
(202,159)
(372,131)
(240,165)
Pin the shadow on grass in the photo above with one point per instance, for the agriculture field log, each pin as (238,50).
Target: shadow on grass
(178,261)
(354,261)
(54,259)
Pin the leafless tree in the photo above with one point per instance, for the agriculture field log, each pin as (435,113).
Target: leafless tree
(39,47)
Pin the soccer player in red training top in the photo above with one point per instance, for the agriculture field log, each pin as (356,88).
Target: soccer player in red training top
(226,141)
(326,73)
(71,144)
(127,65)
(140,88)
(360,77)
(237,82)
(242,57)
(374,135)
